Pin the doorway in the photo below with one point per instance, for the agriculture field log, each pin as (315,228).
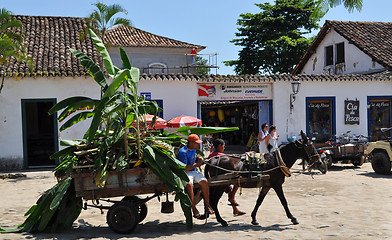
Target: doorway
(379,116)
(246,115)
(39,132)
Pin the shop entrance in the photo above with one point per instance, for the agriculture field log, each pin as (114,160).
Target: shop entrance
(246,115)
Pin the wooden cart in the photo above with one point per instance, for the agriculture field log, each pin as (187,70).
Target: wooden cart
(123,216)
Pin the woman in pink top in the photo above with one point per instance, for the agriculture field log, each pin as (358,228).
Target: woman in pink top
(219,147)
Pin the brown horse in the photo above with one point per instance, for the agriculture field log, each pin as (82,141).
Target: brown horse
(299,149)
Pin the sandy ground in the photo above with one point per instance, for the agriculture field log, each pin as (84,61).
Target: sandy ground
(346,203)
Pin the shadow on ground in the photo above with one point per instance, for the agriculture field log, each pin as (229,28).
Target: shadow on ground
(154,229)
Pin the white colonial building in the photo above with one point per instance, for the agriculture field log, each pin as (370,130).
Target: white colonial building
(325,105)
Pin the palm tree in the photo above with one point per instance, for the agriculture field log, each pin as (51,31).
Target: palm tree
(350,5)
(102,19)
(11,43)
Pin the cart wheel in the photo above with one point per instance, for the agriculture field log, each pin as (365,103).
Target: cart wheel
(358,161)
(122,217)
(142,209)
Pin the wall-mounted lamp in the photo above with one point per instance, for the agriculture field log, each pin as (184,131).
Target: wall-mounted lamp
(295,84)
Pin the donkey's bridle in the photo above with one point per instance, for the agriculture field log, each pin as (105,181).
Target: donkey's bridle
(308,147)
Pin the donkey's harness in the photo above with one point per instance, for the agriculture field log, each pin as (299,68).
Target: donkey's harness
(254,159)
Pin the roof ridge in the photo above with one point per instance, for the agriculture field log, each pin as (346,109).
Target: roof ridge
(343,21)
(36,16)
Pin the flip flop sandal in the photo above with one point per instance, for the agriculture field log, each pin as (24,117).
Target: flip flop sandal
(210,211)
(233,204)
(239,214)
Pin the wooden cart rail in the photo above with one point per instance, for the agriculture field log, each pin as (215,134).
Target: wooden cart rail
(139,181)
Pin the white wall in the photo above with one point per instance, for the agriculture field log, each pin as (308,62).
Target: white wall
(356,61)
(179,97)
(291,124)
(11,135)
(143,57)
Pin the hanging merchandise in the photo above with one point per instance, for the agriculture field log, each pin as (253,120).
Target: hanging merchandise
(221,115)
(227,112)
(212,113)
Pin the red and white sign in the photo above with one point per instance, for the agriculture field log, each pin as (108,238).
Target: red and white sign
(234,92)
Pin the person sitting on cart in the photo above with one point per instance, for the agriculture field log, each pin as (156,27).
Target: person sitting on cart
(219,147)
(187,155)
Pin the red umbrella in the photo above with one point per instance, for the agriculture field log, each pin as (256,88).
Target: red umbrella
(184,121)
(159,122)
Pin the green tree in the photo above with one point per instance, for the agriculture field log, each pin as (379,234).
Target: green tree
(325,5)
(103,18)
(201,62)
(273,40)
(11,43)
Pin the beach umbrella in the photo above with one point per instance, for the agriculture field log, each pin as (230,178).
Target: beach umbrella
(160,123)
(183,120)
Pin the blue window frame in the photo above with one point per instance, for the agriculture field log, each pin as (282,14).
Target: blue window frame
(321,118)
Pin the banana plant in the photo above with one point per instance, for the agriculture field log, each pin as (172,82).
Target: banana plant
(115,112)
(112,117)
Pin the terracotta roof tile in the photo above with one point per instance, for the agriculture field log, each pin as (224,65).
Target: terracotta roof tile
(47,40)
(134,37)
(373,38)
(385,76)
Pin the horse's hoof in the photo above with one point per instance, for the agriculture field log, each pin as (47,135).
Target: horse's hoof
(294,221)
(224,224)
(255,223)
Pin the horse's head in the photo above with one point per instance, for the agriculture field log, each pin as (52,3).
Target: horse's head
(309,152)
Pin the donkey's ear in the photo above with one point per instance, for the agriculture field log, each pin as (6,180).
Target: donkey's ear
(304,137)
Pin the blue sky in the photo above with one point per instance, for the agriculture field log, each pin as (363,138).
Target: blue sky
(210,23)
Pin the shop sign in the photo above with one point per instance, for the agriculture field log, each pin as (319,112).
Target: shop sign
(146,95)
(318,105)
(379,104)
(234,92)
(351,112)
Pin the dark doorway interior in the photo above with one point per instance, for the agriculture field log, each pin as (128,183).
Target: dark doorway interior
(39,133)
(241,114)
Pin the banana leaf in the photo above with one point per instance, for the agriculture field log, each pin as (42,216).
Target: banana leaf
(94,70)
(160,163)
(67,142)
(76,119)
(63,152)
(204,130)
(68,211)
(88,103)
(104,52)
(62,188)
(116,82)
(66,102)
(124,58)
(96,119)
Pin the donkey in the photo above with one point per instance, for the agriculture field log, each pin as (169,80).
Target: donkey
(303,149)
